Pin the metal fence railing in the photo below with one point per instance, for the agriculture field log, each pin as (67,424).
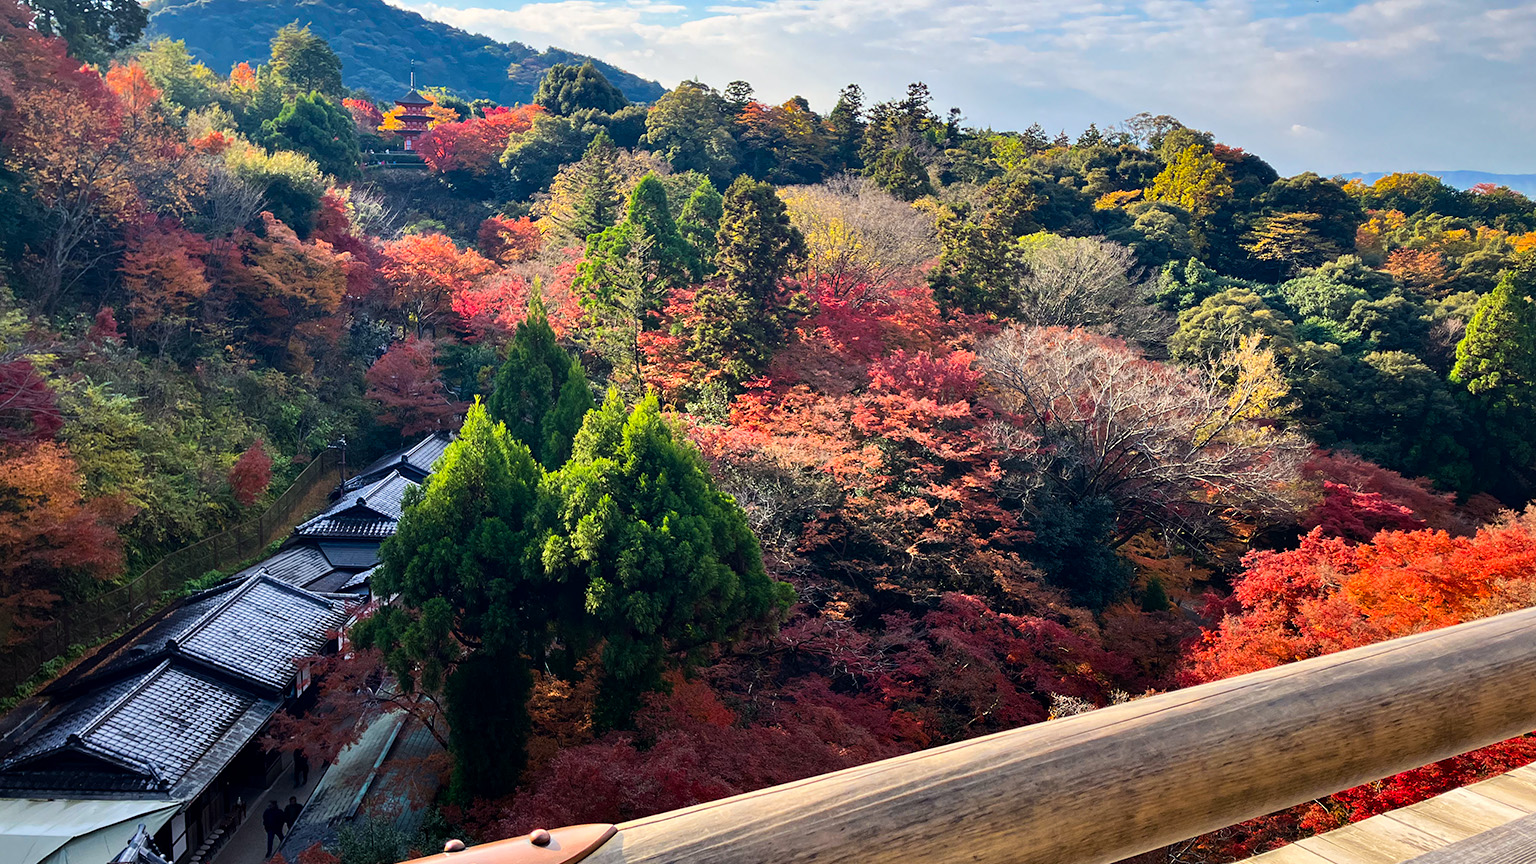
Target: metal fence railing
(121,607)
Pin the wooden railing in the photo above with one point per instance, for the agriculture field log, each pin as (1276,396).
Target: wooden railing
(125,605)
(1113,783)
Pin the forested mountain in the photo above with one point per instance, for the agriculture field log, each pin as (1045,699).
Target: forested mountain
(376,42)
(1525,184)
(790,437)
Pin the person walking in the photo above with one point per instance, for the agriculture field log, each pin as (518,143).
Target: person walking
(272,820)
(291,813)
(300,768)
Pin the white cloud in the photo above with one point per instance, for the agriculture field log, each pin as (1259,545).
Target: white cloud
(1432,84)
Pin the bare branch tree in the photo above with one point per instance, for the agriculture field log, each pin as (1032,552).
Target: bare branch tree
(1087,282)
(229,202)
(1171,448)
(860,241)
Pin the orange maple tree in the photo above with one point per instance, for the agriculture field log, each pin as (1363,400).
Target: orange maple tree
(50,532)
(507,241)
(424,272)
(163,272)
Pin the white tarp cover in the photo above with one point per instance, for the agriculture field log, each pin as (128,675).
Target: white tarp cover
(62,831)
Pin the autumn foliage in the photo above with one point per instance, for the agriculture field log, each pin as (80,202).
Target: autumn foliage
(1329,594)
(423,273)
(474,146)
(506,240)
(409,389)
(251,474)
(49,532)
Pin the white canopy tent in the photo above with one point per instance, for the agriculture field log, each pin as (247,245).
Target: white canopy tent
(63,831)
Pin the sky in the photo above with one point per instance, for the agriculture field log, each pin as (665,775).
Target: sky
(1323,85)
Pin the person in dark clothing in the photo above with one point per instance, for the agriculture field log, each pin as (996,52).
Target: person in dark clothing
(291,813)
(300,768)
(272,820)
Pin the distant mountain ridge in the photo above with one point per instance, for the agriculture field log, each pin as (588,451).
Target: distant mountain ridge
(376,43)
(1522,183)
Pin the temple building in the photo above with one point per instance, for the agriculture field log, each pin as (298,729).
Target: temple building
(413,115)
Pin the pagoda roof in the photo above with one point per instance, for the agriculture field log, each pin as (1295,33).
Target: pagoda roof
(411,97)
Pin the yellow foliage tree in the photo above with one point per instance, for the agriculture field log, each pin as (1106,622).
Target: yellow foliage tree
(1195,181)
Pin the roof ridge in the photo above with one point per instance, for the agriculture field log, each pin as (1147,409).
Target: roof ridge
(203,620)
(425,441)
(287,586)
(150,768)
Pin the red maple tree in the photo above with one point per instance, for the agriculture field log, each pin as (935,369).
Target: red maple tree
(409,388)
(251,474)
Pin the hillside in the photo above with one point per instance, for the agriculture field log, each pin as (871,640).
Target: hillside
(747,443)
(1525,184)
(376,43)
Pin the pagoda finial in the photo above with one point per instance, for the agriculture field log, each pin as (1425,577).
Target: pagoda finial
(413,74)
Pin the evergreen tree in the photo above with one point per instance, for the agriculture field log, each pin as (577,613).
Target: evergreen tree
(666,560)
(463,566)
(691,127)
(541,391)
(900,173)
(648,228)
(627,271)
(567,89)
(739,316)
(699,222)
(1496,358)
(319,128)
(597,201)
(303,62)
(1496,362)
(847,125)
(757,243)
(738,95)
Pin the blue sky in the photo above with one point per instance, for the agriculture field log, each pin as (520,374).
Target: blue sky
(1324,85)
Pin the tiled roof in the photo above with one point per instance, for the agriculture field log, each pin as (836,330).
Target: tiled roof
(164,716)
(414,462)
(411,97)
(261,630)
(367,513)
(379,776)
(359,580)
(143,734)
(297,566)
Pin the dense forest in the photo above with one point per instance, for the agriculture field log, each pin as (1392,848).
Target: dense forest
(786,440)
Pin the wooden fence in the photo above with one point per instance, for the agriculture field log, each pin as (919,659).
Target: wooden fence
(1109,784)
(111,611)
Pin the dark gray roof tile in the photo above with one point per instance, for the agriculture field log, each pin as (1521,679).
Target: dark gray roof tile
(299,566)
(262,630)
(367,513)
(415,461)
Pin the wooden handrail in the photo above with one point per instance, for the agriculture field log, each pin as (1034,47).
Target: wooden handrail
(1131,778)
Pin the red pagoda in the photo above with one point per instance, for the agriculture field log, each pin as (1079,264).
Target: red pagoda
(413,114)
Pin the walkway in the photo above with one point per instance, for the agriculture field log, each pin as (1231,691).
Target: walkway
(249,843)
(1492,822)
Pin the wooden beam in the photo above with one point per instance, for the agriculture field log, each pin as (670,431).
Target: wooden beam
(1112,783)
